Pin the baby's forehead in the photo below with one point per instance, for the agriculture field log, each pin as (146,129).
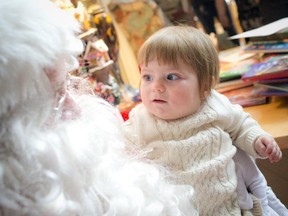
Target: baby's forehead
(161,61)
(177,62)
(179,65)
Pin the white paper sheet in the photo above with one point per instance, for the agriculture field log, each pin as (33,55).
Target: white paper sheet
(265,30)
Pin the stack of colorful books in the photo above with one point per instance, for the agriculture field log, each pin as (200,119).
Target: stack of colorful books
(264,73)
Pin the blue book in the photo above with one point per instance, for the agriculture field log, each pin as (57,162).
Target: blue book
(267,47)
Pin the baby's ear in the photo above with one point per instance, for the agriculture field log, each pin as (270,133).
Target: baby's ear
(207,93)
(208,87)
(214,81)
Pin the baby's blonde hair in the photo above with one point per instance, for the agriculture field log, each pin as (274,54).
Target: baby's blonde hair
(174,44)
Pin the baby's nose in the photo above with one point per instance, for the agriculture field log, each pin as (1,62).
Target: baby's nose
(158,86)
(71,110)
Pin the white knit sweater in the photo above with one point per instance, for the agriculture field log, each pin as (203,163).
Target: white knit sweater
(198,149)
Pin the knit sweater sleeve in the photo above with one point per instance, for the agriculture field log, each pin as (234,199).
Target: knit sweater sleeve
(242,128)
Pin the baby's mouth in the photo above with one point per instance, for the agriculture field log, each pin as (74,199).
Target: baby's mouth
(159,101)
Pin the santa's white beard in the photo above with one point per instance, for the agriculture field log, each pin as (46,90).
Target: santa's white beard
(76,166)
(79,167)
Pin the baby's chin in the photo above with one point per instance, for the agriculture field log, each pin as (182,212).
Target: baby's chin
(171,116)
(166,116)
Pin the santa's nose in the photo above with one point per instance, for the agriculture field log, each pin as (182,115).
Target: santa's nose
(70,109)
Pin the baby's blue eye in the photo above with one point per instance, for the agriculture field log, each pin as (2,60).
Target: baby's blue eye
(147,77)
(172,77)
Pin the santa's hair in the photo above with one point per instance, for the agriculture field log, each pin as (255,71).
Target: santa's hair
(72,167)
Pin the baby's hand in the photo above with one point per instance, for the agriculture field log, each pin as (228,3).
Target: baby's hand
(266,146)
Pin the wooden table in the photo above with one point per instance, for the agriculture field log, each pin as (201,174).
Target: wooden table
(273,118)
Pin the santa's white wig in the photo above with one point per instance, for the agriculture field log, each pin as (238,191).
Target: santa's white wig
(76,166)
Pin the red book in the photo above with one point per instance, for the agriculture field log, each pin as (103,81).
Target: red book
(274,69)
